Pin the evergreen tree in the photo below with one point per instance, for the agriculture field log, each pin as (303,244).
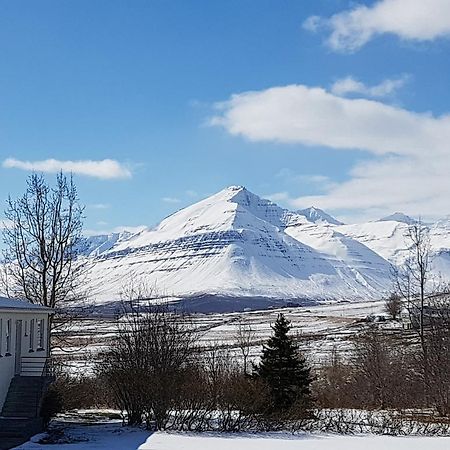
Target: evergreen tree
(283,369)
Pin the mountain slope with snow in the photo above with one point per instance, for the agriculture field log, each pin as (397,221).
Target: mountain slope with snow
(397,217)
(235,244)
(317,215)
(388,238)
(237,247)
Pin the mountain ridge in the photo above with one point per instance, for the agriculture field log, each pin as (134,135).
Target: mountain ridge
(237,245)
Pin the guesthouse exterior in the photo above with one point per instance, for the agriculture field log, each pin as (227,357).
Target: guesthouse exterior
(24,342)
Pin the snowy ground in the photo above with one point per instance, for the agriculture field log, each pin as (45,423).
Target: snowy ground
(94,429)
(320,329)
(284,441)
(93,437)
(115,437)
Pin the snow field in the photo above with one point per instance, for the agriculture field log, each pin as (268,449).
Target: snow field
(284,441)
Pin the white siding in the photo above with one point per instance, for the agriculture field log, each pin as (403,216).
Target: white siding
(7,360)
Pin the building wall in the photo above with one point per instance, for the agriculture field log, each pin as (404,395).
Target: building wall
(30,343)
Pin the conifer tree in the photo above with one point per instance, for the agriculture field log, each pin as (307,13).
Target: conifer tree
(283,369)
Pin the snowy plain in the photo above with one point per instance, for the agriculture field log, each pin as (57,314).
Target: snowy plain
(116,437)
(285,441)
(320,330)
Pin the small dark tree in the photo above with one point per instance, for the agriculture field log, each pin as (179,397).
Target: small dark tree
(284,370)
(393,306)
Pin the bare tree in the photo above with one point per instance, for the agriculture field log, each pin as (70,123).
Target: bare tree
(376,369)
(413,277)
(151,360)
(435,362)
(418,264)
(245,336)
(429,308)
(393,305)
(41,237)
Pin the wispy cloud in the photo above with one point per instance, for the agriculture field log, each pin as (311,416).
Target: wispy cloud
(350,85)
(171,200)
(103,169)
(416,20)
(277,197)
(410,163)
(99,206)
(316,179)
(289,176)
(192,194)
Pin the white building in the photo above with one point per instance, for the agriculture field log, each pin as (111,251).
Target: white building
(24,341)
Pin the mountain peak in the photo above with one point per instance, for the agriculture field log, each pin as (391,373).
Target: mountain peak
(242,196)
(397,217)
(235,187)
(318,215)
(229,193)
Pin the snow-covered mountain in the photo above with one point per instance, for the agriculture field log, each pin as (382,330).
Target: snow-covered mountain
(237,248)
(96,245)
(237,245)
(397,217)
(388,239)
(317,215)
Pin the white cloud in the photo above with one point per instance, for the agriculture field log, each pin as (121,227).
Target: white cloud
(103,169)
(313,116)
(171,200)
(350,85)
(417,20)
(313,23)
(418,185)
(410,154)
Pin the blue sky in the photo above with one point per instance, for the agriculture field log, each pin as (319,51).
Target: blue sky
(148,103)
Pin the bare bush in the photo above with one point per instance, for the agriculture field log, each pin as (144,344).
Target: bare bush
(383,373)
(373,369)
(333,388)
(148,363)
(435,362)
